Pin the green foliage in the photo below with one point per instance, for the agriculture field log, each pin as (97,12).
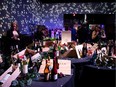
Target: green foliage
(25,80)
(49,39)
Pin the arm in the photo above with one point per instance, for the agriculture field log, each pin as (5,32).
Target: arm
(103,35)
(94,34)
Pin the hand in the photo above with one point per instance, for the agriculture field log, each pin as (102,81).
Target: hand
(16,38)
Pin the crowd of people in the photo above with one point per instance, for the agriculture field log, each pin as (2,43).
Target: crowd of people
(83,34)
(79,32)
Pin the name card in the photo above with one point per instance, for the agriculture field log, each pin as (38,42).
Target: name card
(66,36)
(36,57)
(64,66)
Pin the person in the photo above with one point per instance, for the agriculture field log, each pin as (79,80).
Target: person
(39,35)
(73,34)
(13,36)
(82,33)
(103,35)
(96,34)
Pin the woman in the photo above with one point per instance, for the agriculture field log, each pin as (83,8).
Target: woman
(39,35)
(103,35)
(96,34)
(13,36)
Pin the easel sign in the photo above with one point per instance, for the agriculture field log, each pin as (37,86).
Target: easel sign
(66,37)
(64,66)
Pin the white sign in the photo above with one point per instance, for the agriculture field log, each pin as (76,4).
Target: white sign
(36,57)
(78,50)
(66,36)
(64,66)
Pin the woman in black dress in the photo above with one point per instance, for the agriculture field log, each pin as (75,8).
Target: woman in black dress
(13,36)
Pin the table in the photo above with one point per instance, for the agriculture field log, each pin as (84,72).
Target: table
(101,77)
(87,74)
(67,81)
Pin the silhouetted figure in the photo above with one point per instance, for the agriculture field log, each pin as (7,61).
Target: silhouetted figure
(96,34)
(38,36)
(13,34)
(12,39)
(82,34)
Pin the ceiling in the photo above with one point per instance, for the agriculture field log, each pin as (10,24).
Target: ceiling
(74,1)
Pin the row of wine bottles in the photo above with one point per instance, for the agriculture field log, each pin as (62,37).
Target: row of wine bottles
(51,73)
(103,56)
(108,49)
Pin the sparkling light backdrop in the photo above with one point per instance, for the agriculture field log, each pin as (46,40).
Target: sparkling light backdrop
(52,14)
(28,12)
(25,12)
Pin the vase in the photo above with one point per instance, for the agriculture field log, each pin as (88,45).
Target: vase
(25,68)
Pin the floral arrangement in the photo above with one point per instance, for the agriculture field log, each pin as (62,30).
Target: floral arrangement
(24,80)
(49,39)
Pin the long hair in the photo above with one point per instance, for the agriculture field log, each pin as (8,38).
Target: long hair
(12,26)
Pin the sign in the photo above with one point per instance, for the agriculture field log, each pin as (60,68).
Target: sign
(20,53)
(66,37)
(64,66)
(36,57)
(79,50)
(89,46)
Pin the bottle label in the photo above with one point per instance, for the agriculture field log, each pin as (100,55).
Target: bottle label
(38,49)
(57,54)
(55,76)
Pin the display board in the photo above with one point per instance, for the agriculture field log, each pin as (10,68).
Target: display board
(64,66)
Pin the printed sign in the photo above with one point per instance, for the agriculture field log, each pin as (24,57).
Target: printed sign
(64,66)
(66,36)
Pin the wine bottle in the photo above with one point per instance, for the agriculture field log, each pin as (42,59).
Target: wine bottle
(57,63)
(46,72)
(30,62)
(110,45)
(39,48)
(94,57)
(5,78)
(54,50)
(18,61)
(35,47)
(98,61)
(57,53)
(84,50)
(54,70)
(110,51)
